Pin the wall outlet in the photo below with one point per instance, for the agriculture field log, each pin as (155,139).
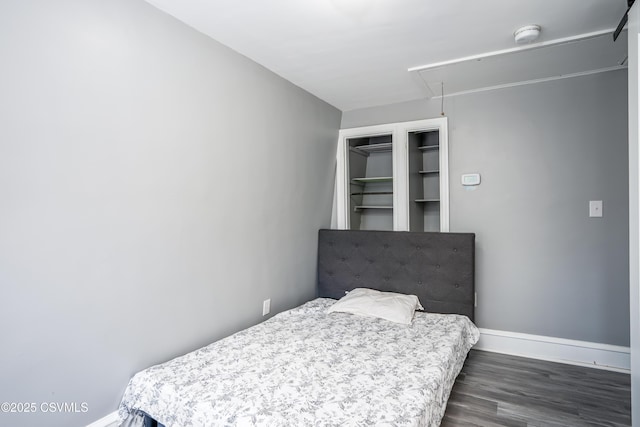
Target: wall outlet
(266,306)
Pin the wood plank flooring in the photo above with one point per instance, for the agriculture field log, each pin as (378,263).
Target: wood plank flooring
(500,390)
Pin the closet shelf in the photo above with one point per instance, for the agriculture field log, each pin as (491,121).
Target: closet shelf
(362,207)
(428,147)
(365,150)
(372,193)
(426,200)
(372,179)
(429,172)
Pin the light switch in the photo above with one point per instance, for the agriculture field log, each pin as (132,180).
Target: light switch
(595,208)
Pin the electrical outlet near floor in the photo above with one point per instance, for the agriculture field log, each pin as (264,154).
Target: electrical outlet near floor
(266,306)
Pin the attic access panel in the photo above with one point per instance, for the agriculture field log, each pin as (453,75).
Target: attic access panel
(517,67)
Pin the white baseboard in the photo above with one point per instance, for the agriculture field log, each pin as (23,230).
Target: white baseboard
(110,420)
(582,353)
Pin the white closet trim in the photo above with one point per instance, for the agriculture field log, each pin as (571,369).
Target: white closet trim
(400,158)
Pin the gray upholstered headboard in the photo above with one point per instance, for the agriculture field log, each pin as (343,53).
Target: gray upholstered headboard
(437,267)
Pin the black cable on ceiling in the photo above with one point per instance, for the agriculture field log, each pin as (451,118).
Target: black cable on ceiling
(623,21)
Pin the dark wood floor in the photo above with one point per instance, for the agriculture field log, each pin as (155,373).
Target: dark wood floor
(499,390)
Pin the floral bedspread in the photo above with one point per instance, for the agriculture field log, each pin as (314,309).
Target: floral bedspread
(304,367)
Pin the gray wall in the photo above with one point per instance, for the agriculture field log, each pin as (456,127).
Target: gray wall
(155,187)
(544,151)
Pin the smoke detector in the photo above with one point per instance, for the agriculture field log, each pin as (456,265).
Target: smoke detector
(527,34)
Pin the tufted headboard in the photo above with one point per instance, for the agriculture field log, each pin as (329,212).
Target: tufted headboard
(437,267)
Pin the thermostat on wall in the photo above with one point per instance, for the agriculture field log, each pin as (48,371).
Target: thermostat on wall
(471,179)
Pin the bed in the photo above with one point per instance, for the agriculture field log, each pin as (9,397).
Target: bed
(307,366)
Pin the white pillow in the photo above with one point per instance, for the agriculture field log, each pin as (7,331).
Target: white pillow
(385,305)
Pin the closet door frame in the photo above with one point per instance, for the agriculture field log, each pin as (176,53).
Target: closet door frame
(342,169)
(400,157)
(402,177)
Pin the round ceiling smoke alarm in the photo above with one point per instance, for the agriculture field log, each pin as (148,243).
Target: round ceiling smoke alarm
(527,34)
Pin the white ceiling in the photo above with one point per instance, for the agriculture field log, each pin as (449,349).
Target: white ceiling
(357,53)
